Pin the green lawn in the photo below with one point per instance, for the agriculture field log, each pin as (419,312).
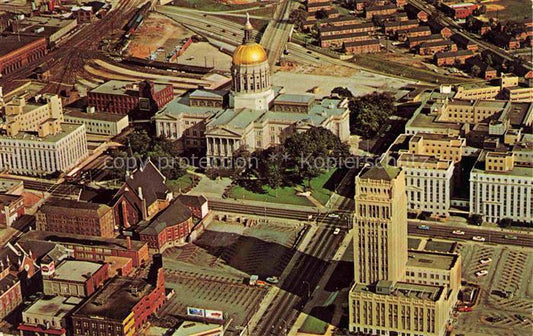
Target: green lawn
(287,194)
(284,195)
(211,5)
(312,325)
(317,187)
(181,184)
(379,63)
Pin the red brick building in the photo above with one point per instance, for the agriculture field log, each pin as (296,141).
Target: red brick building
(18,51)
(438,28)
(464,43)
(11,208)
(169,228)
(453,57)
(198,205)
(460,10)
(430,48)
(363,47)
(124,97)
(403,35)
(74,278)
(92,248)
(415,13)
(10,291)
(338,40)
(76,217)
(360,5)
(387,9)
(122,306)
(346,29)
(315,6)
(344,20)
(415,41)
(391,27)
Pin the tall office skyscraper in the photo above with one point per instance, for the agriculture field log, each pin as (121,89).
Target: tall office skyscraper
(394,295)
(380,225)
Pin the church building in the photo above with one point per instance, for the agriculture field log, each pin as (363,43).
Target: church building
(253,115)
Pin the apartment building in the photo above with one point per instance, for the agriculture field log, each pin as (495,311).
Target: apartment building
(430,48)
(76,217)
(453,57)
(363,47)
(501,187)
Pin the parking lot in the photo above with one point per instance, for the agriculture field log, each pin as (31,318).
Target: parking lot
(506,292)
(213,272)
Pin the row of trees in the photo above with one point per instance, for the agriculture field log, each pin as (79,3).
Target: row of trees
(301,157)
(367,113)
(140,146)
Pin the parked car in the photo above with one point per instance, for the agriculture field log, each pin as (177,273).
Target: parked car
(478,238)
(272,279)
(458,232)
(481,273)
(485,261)
(424,227)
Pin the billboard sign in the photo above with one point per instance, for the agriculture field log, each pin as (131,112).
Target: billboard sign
(214,314)
(198,312)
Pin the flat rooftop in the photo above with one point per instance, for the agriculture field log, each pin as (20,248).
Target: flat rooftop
(101,116)
(115,300)
(407,290)
(68,238)
(433,260)
(118,87)
(76,270)
(56,306)
(10,43)
(66,129)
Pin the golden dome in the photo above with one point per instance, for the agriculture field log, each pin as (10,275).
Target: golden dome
(249,53)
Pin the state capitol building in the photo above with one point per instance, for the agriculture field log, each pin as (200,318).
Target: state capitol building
(254,115)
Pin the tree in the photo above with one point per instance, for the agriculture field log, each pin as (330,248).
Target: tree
(321,14)
(476,219)
(139,142)
(368,113)
(505,222)
(342,92)
(475,70)
(312,151)
(298,17)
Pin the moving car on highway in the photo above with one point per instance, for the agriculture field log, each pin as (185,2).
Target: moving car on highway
(336,231)
(458,232)
(424,227)
(333,215)
(513,237)
(478,238)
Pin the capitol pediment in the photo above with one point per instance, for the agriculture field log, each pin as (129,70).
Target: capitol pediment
(222,132)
